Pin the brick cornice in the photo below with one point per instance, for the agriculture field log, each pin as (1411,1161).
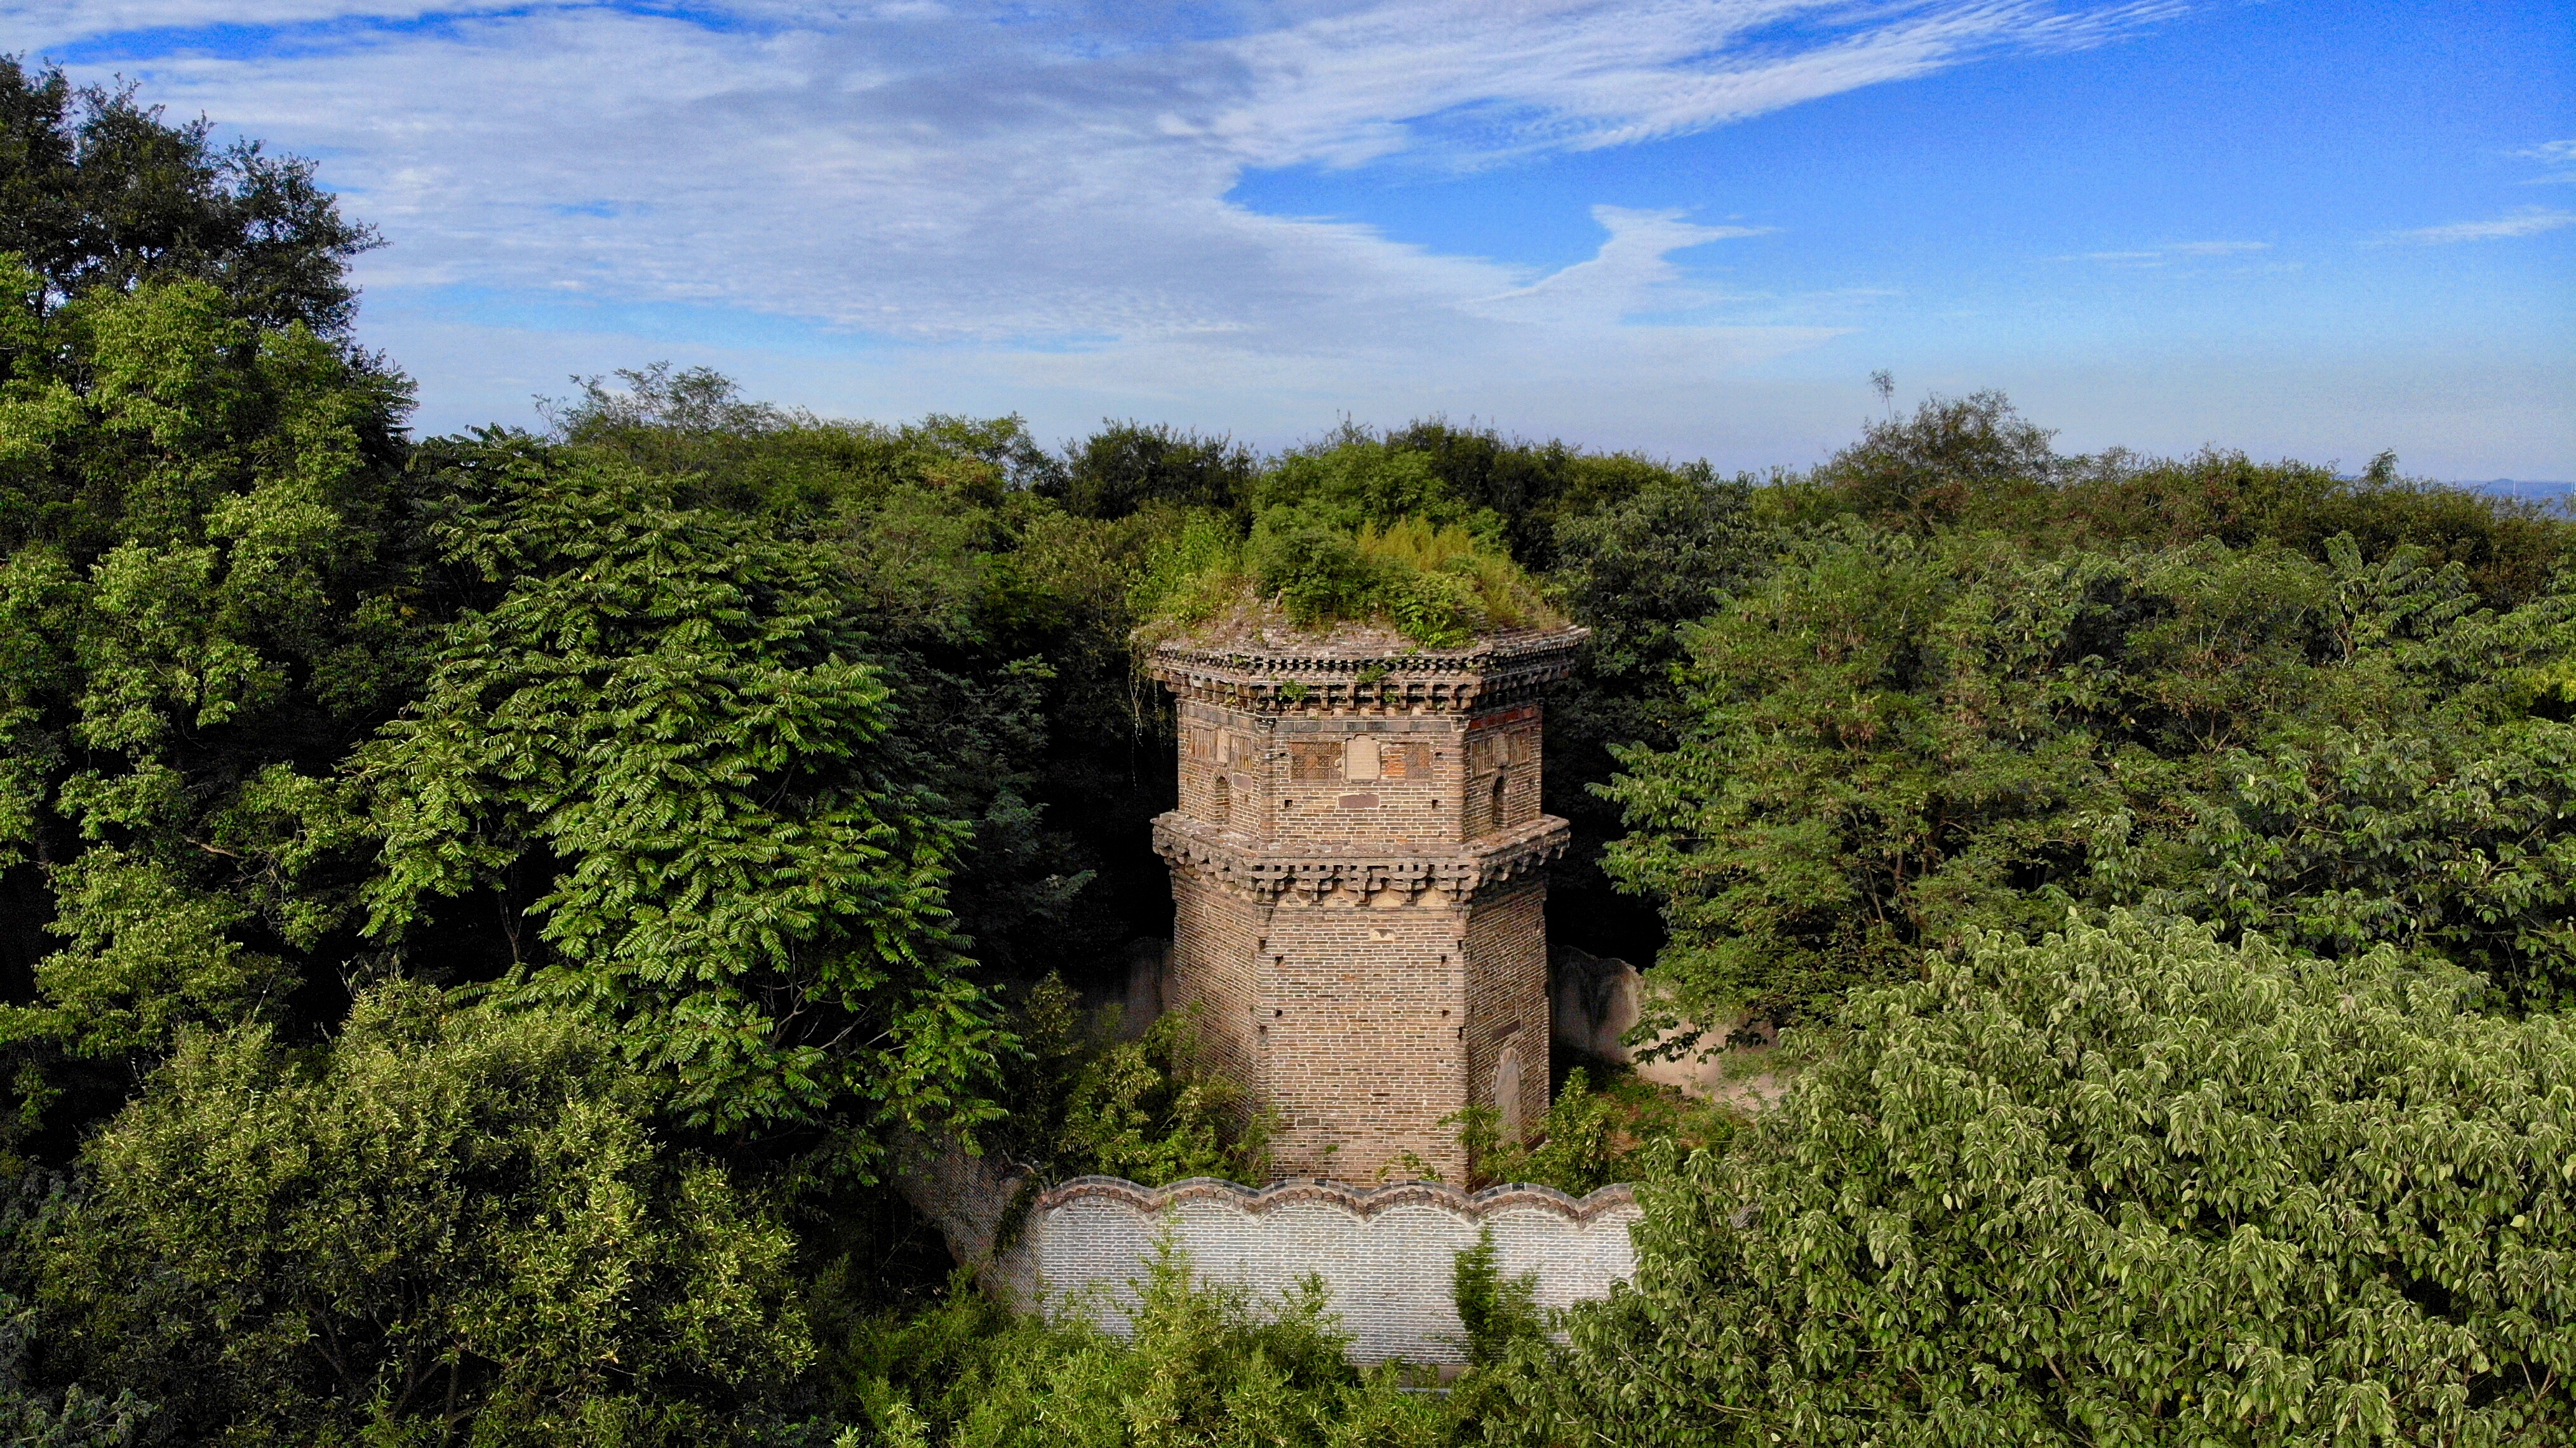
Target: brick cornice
(1338,676)
(1246,864)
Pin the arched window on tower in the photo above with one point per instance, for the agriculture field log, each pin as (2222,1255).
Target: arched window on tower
(1222,804)
(1502,799)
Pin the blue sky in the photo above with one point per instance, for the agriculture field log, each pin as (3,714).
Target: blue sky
(1688,226)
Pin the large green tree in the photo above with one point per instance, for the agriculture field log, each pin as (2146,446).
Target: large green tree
(998,618)
(203,604)
(1896,738)
(652,750)
(99,193)
(446,1226)
(2126,1185)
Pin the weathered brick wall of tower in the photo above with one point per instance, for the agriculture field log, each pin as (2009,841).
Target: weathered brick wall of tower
(1357,865)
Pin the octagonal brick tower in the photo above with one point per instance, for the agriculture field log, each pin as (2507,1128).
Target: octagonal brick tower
(1357,869)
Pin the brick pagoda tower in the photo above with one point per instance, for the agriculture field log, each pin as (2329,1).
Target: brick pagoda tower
(1357,870)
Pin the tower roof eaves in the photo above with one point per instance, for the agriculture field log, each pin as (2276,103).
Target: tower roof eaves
(1359,666)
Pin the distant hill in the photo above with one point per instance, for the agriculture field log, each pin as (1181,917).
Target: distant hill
(2525,488)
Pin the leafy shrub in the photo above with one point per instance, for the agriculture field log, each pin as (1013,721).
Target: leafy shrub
(1192,574)
(1083,1102)
(1151,1111)
(1438,584)
(2126,1185)
(1206,1367)
(1589,1138)
(1576,1150)
(443,1225)
(1357,531)
(1496,1312)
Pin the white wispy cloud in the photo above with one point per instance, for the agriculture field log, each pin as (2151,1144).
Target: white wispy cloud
(2163,253)
(43,24)
(1633,272)
(1045,189)
(936,174)
(2530,221)
(2559,156)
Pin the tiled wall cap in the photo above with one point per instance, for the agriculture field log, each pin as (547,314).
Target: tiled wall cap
(1359,1201)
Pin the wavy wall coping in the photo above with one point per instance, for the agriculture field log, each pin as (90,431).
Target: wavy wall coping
(1387,1256)
(1361,1202)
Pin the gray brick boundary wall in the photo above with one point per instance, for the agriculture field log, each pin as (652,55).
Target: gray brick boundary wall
(1386,1255)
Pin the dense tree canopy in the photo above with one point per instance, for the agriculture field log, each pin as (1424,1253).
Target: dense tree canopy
(209,594)
(1894,739)
(449,1225)
(658,746)
(2127,1185)
(99,194)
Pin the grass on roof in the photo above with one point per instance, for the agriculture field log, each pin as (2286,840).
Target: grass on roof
(1439,585)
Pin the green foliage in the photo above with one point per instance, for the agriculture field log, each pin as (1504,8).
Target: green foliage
(2508,547)
(195,602)
(2127,1185)
(198,613)
(1193,574)
(1127,466)
(147,956)
(1635,570)
(1356,531)
(1149,1109)
(441,1226)
(2452,844)
(1643,565)
(1577,1148)
(73,1418)
(1498,1313)
(998,622)
(1437,584)
(99,195)
(1440,585)
(1874,756)
(655,742)
(1894,740)
(1926,470)
(1974,464)
(1534,489)
(1355,480)
(1205,1368)
(1590,1137)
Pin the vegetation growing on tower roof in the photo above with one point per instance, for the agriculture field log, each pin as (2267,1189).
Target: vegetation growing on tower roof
(1356,532)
